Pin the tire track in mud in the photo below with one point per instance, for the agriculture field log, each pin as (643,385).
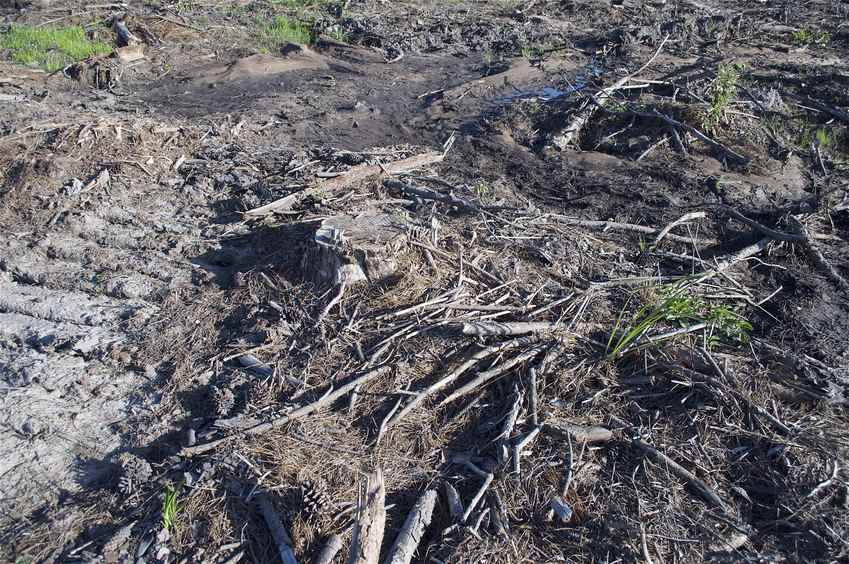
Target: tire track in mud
(72,297)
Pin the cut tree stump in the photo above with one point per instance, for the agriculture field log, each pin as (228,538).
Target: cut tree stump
(348,250)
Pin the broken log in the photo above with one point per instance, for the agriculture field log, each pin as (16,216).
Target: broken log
(591,434)
(411,534)
(368,531)
(330,550)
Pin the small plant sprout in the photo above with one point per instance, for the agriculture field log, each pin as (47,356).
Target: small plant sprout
(722,90)
(169,507)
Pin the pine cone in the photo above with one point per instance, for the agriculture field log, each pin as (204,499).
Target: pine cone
(135,471)
(260,393)
(223,401)
(314,498)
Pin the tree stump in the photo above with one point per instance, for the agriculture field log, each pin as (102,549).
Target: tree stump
(349,250)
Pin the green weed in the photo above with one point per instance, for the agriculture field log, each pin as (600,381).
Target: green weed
(282,30)
(338,34)
(49,48)
(482,190)
(169,507)
(805,37)
(722,90)
(677,307)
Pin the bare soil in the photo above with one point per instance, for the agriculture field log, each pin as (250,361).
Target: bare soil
(156,336)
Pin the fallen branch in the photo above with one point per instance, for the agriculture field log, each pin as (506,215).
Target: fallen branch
(573,130)
(452,499)
(509,424)
(686,218)
(327,399)
(819,259)
(411,533)
(488,375)
(352,176)
(616,226)
(763,229)
(453,375)
(702,489)
(478,496)
(519,446)
(590,434)
(368,532)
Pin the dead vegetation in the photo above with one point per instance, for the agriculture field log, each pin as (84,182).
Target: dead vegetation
(587,307)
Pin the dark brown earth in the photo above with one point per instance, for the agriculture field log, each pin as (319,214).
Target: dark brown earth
(132,282)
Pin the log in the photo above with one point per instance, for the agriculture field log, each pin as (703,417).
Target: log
(411,534)
(275,526)
(591,434)
(368,531)
(330,550)
(349,250)
(354,175)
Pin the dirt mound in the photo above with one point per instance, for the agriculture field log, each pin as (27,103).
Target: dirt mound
(294,58)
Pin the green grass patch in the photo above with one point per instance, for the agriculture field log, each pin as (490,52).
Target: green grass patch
(49,48)
(805,37)
(282,30)
(676,307)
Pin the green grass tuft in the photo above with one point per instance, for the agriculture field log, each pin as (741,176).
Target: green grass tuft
(282,30)
(49,48)
(680,308)
(169,508)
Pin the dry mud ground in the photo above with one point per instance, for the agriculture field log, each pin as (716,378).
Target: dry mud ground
(683,392)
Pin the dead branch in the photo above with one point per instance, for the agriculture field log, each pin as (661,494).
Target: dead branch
(533,395)
(819,259)
(573,129)
(686,218)
(408,539)
(763,229)
(368,532)
(702,489)
(616,226)
(690,129)
(327,399)
(452,499)
(478,496)
(454,374)
(275,527)
(331,548)
(354,175)
(519,446)
(488,375)
(509,424)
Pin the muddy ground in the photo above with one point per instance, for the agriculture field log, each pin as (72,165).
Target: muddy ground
(138,292)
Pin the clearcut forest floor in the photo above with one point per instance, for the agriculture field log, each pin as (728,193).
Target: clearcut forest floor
(659,188)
